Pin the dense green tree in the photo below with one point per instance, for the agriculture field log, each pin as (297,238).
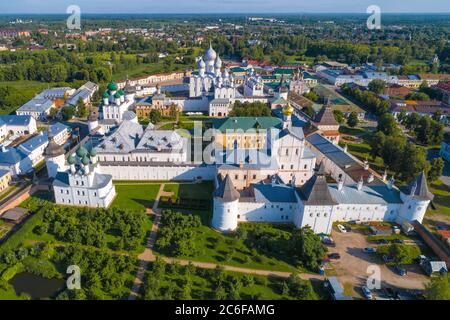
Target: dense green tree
(377,86)
(438,288)
(353,120)
(436,169)
(388,125)
(308,248)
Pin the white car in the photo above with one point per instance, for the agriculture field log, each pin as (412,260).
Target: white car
(367,293)
(341,228)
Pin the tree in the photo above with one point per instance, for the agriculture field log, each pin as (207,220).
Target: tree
(155,116)
(53,113)
(308,248)
(339,116)
(377,142)
(438,288)
(403,254)
(353,120)
(67,113)
(429,131)
(436,169)
(82,109)
(377,86)
(388,125)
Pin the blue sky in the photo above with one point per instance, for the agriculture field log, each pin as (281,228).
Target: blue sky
(222,6)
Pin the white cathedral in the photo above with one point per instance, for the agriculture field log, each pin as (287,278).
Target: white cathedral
(80,182)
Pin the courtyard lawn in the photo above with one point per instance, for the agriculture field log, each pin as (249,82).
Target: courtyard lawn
(135,196)
(202,191)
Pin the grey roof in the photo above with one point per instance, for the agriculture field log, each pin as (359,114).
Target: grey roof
(36,105)
(15,214)
(250,159)
(337,155)
(315,191)
(3,173)
(438,266)
(374,194)
(83,92)
(325,117)
(100,180)
(15,120)
(160,140)
(12,156)
(35,142)
(54,92)
(53,149)
(123,140)
(274,192)
(419,188)
(226,191)
(129,115)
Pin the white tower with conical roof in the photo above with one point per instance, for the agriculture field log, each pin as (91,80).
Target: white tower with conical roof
(226,201)
(416,198)
(54,157)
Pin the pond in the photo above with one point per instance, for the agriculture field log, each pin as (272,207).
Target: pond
(35,286)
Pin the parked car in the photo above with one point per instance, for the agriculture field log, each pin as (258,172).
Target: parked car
(399,241)
(400,271)
(341,228)
(334,256)
(328,241)
(391,293)
(387,259)
(383,241)
(370,250)
(348,228)
(367,293)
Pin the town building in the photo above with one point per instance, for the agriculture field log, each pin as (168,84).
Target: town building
(5,179)
(84,94)
(38,108)
(423,108)
(16,126)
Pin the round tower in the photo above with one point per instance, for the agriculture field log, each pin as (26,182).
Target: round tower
(93,120)
(54,157)
(226,206)
(416,198)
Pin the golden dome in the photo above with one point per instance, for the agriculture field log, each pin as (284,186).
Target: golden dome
(288,110)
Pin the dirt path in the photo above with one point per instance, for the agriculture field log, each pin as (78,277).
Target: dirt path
(206,265)
(147,256)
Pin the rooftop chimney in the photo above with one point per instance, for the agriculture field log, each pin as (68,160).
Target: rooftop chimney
(340,184)
(391,183)
(371,178)
(360,184)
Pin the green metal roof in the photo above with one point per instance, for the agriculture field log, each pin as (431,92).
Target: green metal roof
(284,71)
(246,123)
(238,69)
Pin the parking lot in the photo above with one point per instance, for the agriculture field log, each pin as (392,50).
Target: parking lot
(352,267)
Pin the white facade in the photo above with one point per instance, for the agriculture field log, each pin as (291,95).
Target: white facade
(346,203)
(84,184)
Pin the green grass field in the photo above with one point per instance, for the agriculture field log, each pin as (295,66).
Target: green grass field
(441,198)
(136,197)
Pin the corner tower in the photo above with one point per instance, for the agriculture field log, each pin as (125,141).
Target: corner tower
(226,202)
(54,156)
(416,197)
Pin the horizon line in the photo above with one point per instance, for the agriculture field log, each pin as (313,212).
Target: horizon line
(225,13)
